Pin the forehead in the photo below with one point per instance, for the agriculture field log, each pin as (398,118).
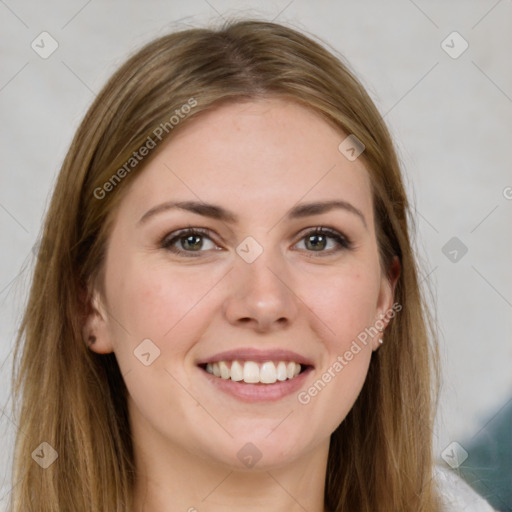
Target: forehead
(258,156)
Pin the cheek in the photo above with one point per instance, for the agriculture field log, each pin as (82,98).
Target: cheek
(345,302)
(151,302)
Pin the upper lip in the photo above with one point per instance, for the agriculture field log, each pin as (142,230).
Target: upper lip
(252,354)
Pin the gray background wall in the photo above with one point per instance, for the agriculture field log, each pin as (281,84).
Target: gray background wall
(451,118)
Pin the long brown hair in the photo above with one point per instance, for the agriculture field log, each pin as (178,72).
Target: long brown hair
(380,457)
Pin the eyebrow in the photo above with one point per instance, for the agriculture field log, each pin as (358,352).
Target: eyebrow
(219,213)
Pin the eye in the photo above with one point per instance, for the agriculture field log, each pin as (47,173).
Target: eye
(317,240)
(189,241)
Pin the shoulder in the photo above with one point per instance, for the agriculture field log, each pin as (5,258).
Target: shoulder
(456,495)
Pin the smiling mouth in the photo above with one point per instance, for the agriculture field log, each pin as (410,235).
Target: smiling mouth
(252,372)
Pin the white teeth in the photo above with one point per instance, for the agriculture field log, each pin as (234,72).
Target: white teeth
(237,372)
(253,373)
(268,373)
(290,370)
(224,370)
(281,371)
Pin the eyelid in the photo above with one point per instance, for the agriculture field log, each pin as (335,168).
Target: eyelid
(343,241)
(170,238)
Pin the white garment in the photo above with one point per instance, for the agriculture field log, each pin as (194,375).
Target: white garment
(457,495)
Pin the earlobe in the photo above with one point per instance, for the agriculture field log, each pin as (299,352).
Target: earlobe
(95,332)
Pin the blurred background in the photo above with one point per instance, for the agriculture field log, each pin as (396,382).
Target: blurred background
(441,75)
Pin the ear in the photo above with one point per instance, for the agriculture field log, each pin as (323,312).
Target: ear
(386,299)
(95,331)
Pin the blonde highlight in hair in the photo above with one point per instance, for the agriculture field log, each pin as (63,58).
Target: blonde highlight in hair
(380,457)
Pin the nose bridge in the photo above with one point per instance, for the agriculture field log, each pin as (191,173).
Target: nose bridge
(258,291)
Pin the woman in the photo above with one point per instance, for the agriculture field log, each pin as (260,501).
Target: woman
(225,312)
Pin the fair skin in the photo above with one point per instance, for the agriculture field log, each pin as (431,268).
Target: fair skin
(257,159)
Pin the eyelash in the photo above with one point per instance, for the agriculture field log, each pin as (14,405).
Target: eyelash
(168,241)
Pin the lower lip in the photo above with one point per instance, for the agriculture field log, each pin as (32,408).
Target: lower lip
(258,392)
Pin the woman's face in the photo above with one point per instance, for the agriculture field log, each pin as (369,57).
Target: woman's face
(258,285)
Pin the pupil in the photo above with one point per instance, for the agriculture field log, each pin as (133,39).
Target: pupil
(193,238)
(317,244)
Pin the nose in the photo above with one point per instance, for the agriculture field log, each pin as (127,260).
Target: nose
(261,295)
